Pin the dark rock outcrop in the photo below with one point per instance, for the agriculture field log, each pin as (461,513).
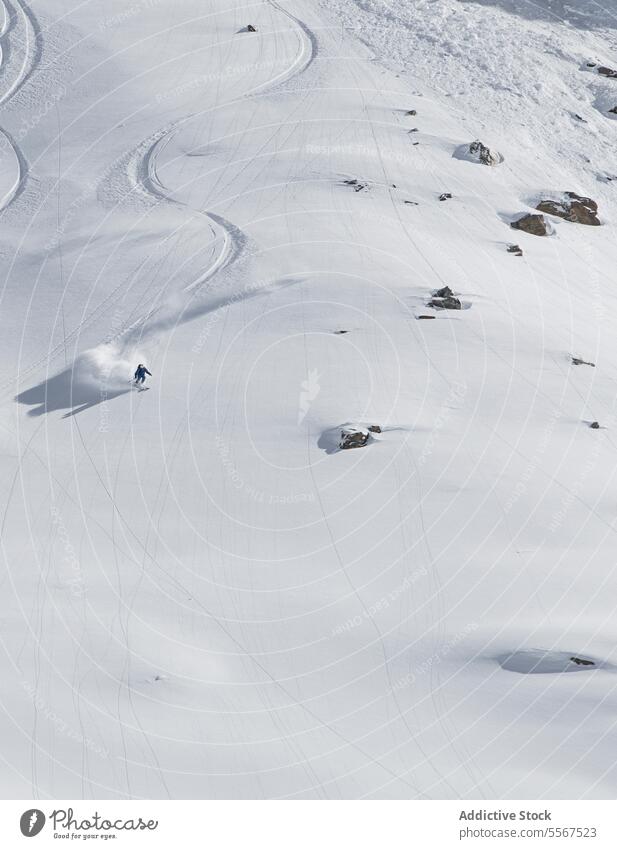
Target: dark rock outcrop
(533,224)
(595,425)
(445,196)
(515,249)
(572,207)
(353,438)
(251,28)
(607,72)
(580,661)
(356,185)
(444,299)
(577,361)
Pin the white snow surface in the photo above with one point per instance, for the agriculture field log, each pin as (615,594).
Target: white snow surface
(202,597)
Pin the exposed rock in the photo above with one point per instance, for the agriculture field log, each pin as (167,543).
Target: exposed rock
(579,117)
(411,202)
(413,130)
(444,299)
(484,154)
(572,207)
(613,111)
(595,425)
(607,72)
(340,332)
(576,361)
(251,28)
(375,429)
(445,196)
(411,112)
(352,437)
(539,662)
(533,224)
(420,317)
(356,185)
(515,249)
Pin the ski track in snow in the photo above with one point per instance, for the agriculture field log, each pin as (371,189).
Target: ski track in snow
(233,240)
(13,169)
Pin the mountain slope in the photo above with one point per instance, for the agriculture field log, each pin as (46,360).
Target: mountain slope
(203,597)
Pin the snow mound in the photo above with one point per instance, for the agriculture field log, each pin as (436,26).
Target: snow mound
(478,153)
(539,662)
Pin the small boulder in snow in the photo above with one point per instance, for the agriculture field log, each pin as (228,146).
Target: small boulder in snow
(539,662)
(354,437)
(445,196)
(572,207)
(595,425)
(515,249)
(375,429)
(602,70)
(478,152)
(251,28)
(355,184)
(444,299)
(533,224)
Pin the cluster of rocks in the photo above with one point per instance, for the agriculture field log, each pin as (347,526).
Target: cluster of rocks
(444,299)
(572,207)
(355,184)
(603,70)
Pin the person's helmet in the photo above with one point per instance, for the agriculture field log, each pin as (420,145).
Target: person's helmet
(141,365)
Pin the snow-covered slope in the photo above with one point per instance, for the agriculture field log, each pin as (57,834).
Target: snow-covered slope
(202,597)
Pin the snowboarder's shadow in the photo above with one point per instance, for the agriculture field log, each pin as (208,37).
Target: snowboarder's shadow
(66,391)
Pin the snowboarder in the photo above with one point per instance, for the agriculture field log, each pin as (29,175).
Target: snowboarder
(140,374)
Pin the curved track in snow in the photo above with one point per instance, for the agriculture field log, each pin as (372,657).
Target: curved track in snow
(18,18)
(231,237)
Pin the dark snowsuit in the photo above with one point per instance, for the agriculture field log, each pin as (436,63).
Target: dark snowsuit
(140,374)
